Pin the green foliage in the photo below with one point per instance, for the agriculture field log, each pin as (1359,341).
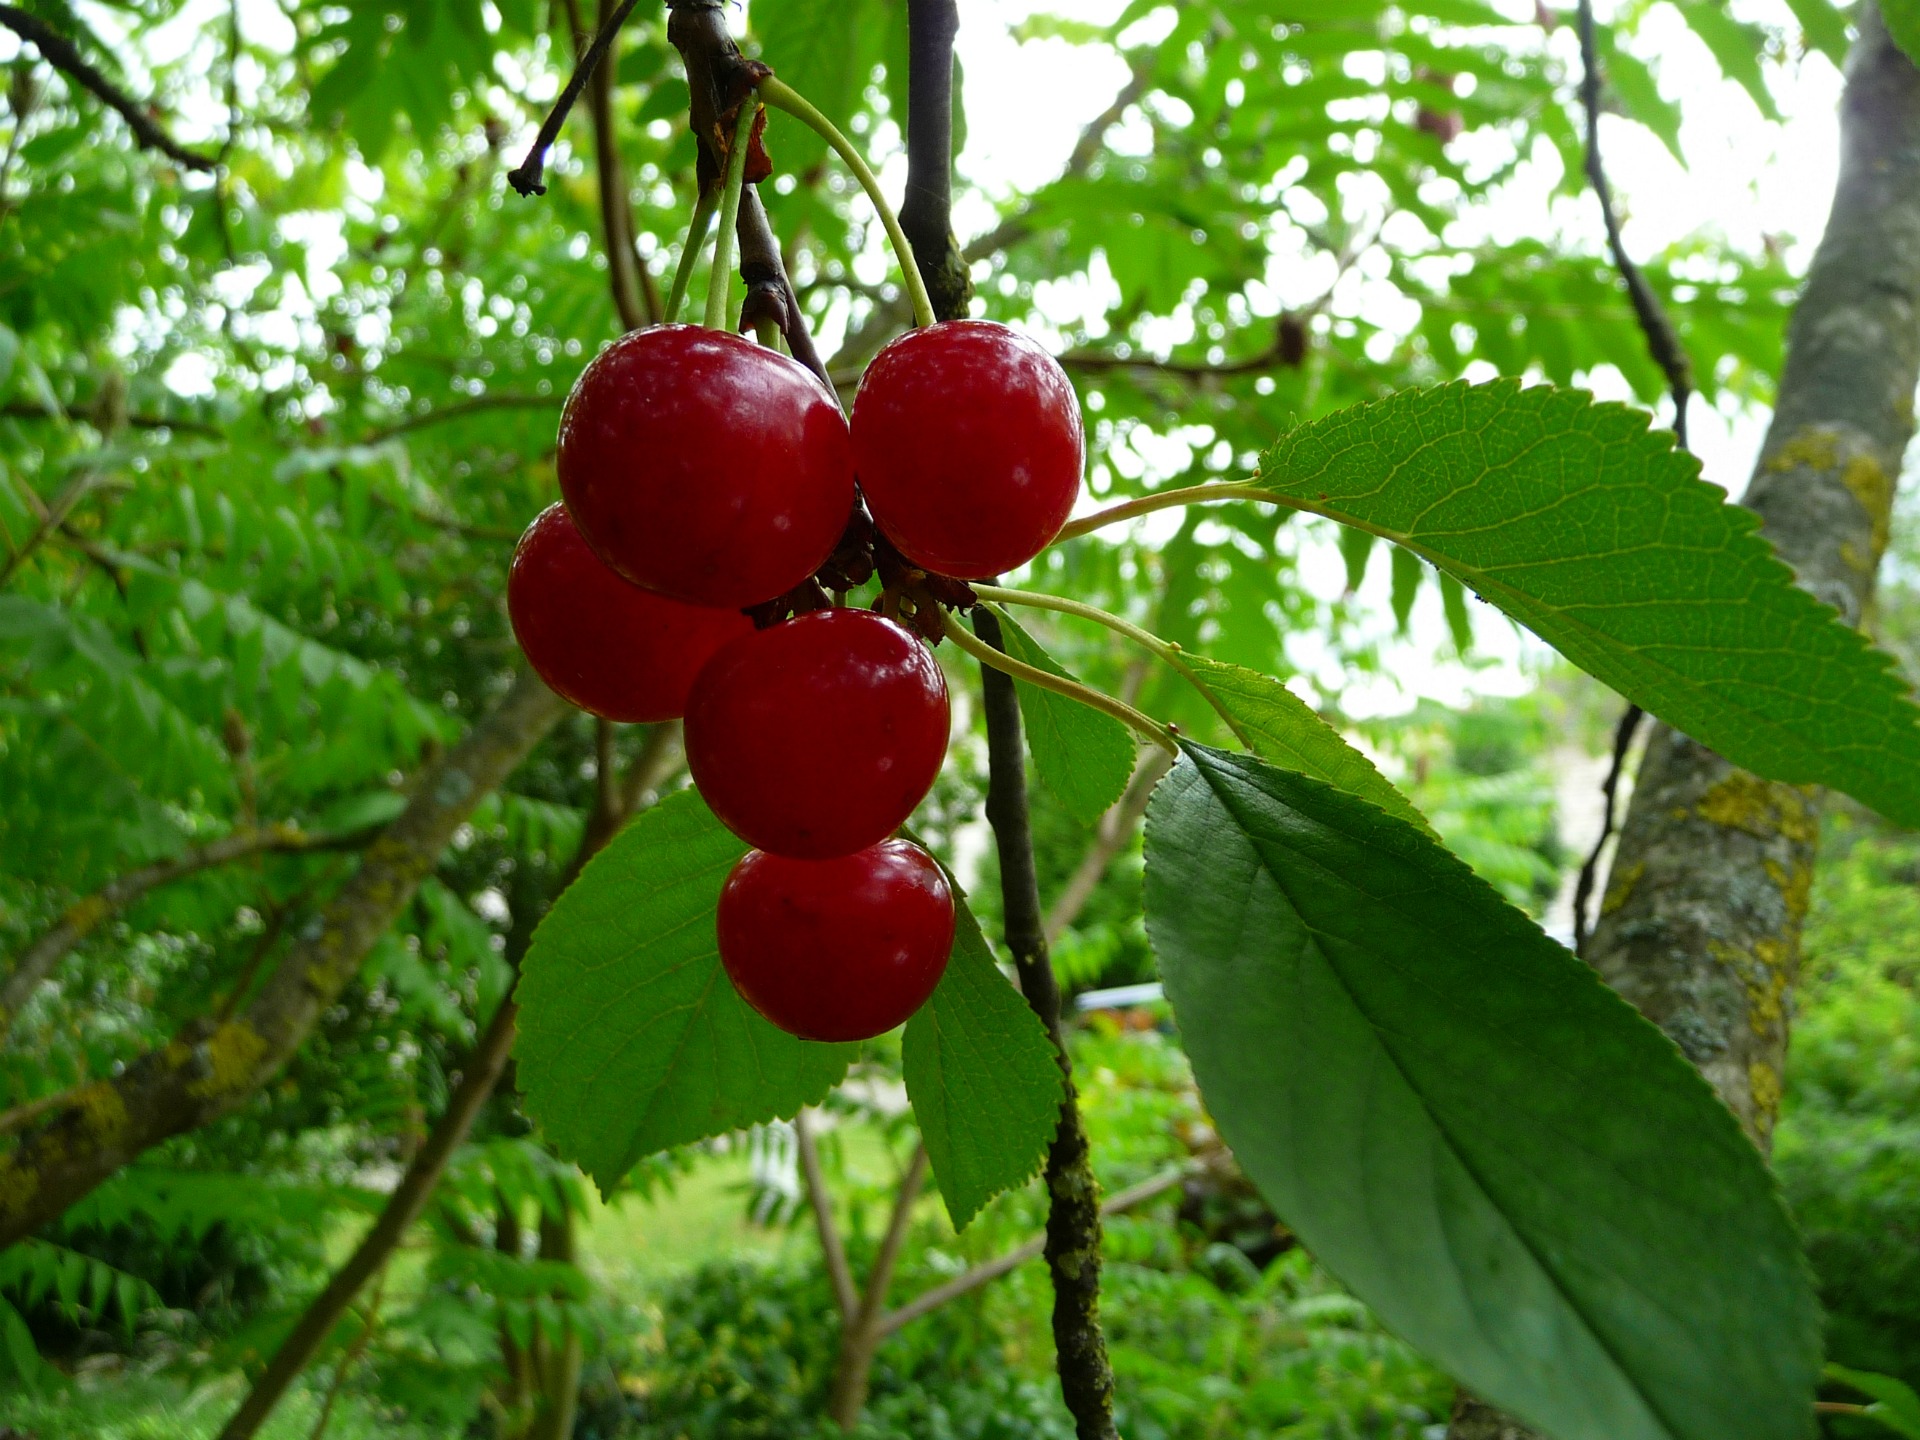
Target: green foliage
(1082,755)
(1362,1011)
(1894,1403)
(1600,538)
(631,1039)
(982,1076)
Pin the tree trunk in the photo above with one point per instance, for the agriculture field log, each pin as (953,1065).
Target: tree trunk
(1700,924)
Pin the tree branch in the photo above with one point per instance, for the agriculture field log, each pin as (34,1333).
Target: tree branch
(210,1069)
(81,918)
(926,212)
(991,1270)
(1110,837)
(860,1339)
(1073,1216)
(460,410)
(633,298)
(1662,342)
(846,1295)
(65,56)
(1623,737)
(403,1207)
(527,179)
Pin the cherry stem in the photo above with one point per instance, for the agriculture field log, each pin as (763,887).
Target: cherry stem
(782,96)
(721,283)
(1146,639)
(703,209)
(1072,689)
(1165,500)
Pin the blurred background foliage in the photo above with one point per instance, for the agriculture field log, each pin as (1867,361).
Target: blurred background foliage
(267,436)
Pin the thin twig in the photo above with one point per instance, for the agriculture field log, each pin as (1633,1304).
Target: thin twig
(633,296)
(1662,341)
(460,410)
(528,178)
(926,211)
(1116,827)
(1623,735)
(65,56)
(988,1271)
(1073,1212)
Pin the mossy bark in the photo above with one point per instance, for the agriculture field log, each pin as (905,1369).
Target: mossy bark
(212,1068)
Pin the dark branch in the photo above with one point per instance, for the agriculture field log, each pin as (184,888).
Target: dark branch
(633,298)
(460,410)
(1590,870)
(1662,341)
(926,212)
(65,56)
(529,177)
(403,1207)
(1073,1214)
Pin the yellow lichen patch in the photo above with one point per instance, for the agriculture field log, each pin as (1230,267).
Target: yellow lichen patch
(1851,557)
(104,1111)
(1761,808)
(1763,1082)
(233,1054)
(1620,887)
(1763,973)
(1868,483)
(1795,886)
(1811,449)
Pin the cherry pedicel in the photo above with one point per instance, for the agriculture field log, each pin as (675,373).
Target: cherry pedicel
(704,466)
(609,647)
(968,446)
(818,737)
(840,949)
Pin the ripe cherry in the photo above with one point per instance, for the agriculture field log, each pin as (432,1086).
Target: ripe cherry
(611,648)
(840,949)
(817,737)
(967,443)
(705,467)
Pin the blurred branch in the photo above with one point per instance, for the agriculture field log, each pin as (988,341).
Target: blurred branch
(991,1270)
(528,178)
(860,1339)
(21,410)
(211,1068)
(820,1200)
(1623,735)
(633,294)
(36,962)
(1110,837)
(461,410)
(65,56)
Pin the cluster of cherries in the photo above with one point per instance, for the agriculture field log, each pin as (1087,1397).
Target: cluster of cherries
(709,489)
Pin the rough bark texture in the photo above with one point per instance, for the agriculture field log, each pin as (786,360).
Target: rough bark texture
(211,1069)
(1700,924)
(926,210)
(1073,1213)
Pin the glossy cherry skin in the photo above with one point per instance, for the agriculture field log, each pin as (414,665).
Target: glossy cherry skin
(840,949)
(609,647)
(704,466)
(968,446)
(817,737)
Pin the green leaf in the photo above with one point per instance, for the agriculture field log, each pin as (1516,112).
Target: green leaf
(1406,586)
(1494,1150)
(1600,537)
(1453,601)
(1280,727)
(632,1039)
(1083,756)
(1630,79)
(1356,548)
(1895,1405)
(1737,47)
(1902,18)
(982,1076)
(1825,24)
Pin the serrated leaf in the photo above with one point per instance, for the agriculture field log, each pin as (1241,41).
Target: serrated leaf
(1082,756)
(1356,548)
(1601,538)
(982,1076)
(632,1039)
(1825,24)
(1280,727)
(1422,1083)
(1453,603)
(1737,47)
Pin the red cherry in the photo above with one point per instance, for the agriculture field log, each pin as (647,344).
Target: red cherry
(840,949)
(817,738)
(967,443)
(705,467)
(609,647)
